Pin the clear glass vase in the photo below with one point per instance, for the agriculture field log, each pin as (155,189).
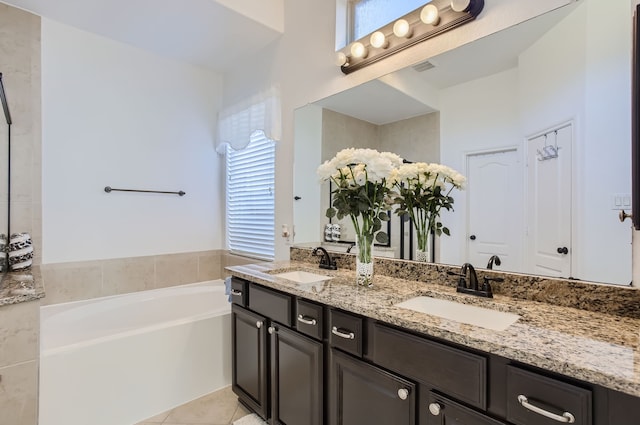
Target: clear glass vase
(364,260)
(422,251)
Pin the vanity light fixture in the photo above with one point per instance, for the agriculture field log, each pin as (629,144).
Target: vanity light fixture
(430,15)
(402,29)
(429,20)
(378,40)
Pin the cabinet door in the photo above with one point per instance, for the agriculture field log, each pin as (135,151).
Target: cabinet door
(296,378)
(249,359)
(362,394)
(438,410)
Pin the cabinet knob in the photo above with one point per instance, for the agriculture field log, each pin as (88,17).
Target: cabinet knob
(271,330)
(435,408)
(258,324)
(403,393)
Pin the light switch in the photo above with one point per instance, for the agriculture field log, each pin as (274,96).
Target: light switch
(620,201)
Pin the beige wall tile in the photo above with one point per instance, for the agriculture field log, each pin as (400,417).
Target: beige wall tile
(126,275)
(19,394)
(19,333)
(176,269)
(71,281)
(209,265)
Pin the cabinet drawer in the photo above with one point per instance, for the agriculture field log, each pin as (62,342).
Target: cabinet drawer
(455,372)
(346,332)
(534,399)
(239,290)
(437,410)
(310,319)
(273,304)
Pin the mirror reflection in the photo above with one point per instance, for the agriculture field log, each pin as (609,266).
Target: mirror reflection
(537,117)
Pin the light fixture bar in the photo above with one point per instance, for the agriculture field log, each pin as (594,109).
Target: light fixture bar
(417,32)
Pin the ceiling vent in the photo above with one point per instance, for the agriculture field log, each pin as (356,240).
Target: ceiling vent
(423,66)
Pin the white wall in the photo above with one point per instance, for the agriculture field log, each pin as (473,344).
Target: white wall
(114,115)
(301,63)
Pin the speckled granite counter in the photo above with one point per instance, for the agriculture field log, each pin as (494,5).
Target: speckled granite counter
(18,287)
(596,347)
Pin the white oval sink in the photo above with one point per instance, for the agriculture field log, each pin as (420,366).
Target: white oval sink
(464,313)
(300,276)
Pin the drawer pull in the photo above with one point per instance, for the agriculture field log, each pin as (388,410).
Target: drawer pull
(341,334)
(271,330)
(566,417)
(434,409)
(258,324)
(403,393)
(236,293)
(306,320)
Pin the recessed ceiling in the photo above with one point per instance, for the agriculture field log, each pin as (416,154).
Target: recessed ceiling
(201,32)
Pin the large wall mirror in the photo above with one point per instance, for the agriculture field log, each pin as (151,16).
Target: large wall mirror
(538,119)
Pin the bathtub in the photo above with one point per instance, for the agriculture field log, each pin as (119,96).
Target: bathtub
(121,359)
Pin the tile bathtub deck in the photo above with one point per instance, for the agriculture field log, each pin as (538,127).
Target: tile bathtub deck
(218,408)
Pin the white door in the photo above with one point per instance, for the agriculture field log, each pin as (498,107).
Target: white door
(549,203)
(495,208)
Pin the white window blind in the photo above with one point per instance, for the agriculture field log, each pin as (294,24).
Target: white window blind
(250,198)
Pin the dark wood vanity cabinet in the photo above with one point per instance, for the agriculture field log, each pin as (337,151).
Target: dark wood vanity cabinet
(298,362)
(363,394)
(249,358)
(276,371)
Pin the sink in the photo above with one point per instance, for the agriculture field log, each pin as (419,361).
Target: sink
(464,313)
(301,276)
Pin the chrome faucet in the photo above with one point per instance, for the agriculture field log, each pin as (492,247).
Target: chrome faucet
(326,262)
(493,260)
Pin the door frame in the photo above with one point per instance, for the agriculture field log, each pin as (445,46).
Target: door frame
(487,151)
(576,196)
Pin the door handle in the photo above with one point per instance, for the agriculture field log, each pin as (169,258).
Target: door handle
(472,237)
(563,250)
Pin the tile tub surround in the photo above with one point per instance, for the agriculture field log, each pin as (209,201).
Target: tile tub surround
(600,298)
(18,287)
(66,282)
(600,348)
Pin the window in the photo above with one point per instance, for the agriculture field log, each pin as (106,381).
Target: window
(250,198)
(366,16)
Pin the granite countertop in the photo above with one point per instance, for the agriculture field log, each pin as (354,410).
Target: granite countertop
(591,346)
(18,287)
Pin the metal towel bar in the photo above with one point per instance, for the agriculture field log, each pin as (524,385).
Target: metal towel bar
(110,189)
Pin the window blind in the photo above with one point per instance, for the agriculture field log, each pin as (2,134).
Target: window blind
(250,198)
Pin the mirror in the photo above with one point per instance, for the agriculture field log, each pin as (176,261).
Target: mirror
(537,117)
(5,123)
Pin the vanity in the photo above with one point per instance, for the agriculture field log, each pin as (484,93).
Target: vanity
(319,350)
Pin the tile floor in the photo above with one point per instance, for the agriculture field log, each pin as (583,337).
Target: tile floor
(218,408)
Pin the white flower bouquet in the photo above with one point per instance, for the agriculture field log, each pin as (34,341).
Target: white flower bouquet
(363,193)
(423,190)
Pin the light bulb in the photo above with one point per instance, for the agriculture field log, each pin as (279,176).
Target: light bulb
(358,50)
(401,28)
(378,40)
(341,59)
(429,15)
(460,5)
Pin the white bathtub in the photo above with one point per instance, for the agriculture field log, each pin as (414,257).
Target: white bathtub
(121,359)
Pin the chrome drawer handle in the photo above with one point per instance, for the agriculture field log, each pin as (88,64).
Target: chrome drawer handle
(236,293)
(272,329)
(341,334)
(434,409)
(306,320)
(566,417)
(258,324)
